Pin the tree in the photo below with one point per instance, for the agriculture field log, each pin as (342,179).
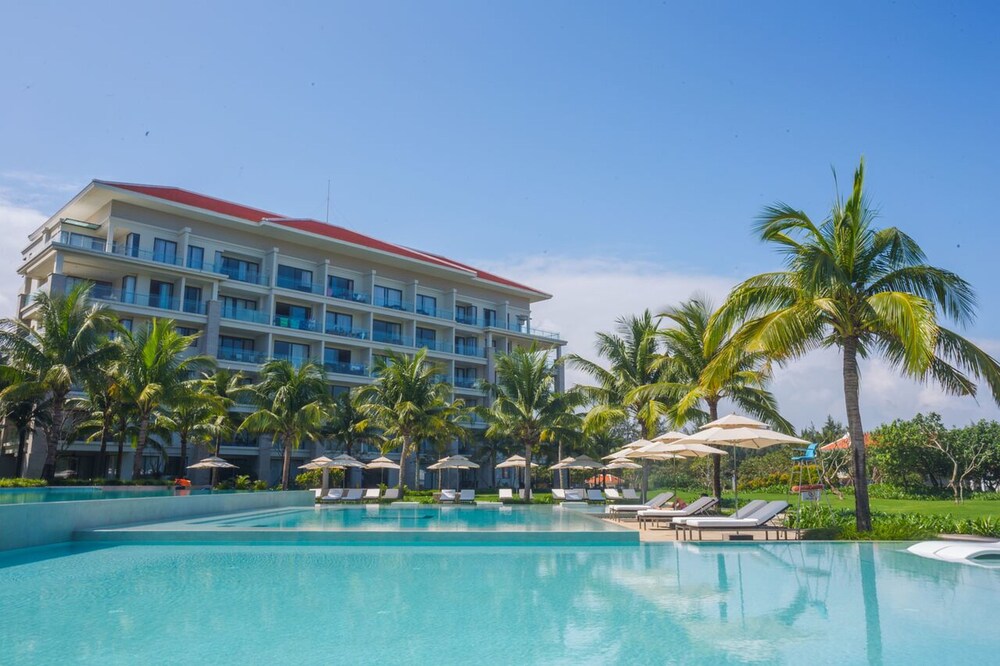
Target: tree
(709,366)
(227,387)
(622,393)
(867,292)
(69,342)
(292,404)
(402,400)
(192,415)
(22,409)
(444,427)
(526,408)
(155,370)
(347,423)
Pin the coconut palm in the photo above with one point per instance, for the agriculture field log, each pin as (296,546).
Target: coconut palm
(402,400)
(192,415)
(24,411)
(635,364)
(155,370)
(69,342)
(347,424)
(526,408)
(445,427)
(101,403)
(865,291)
(227,387)
(693,342)
(292,404)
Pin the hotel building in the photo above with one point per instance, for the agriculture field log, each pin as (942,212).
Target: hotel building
(256,285)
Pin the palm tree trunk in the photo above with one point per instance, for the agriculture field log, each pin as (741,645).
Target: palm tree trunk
(559,473)
(215,471)
(713,413)
(286,463)
(527,472)
(402,464)
(140,445)
(862,510)
(54,430)
(184,454)
(22,446)
(122,425)
(102,455)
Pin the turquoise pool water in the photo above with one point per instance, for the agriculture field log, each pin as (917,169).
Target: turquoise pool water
(802,603)
(75,493)
(375,518)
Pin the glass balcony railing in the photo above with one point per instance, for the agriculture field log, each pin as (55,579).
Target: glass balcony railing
(159,301)
(470,350)
(347,332)
(441,379)
(242,274)
(81,241)
(393,304)
(354,296)
(391,339)
(466,382)
(295,322)
(358,369)
(434,345)
(240,355)
(298,285)
(243,314)
(159,256)
(435,312)
(297,361)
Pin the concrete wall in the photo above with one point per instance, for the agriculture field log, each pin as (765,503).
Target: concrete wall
(42,523)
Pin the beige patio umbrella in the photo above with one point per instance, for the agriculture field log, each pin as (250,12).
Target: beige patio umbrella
(580,462)
(451,462)
(212,462)
(324,463)
(743,436)
(383,464)
(622,463)
(515,462)
(690,450)
(631,446)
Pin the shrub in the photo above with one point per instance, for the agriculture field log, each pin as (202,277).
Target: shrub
(825,521)
(22,483)
(242,482)
(260,484)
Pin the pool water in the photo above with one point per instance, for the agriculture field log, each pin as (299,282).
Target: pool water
(76,493)
(376,518)
(814,603)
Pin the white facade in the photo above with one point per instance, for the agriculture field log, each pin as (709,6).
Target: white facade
(255,285)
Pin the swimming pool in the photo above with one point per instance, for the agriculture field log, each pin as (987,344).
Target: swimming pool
(657,603)
(76,493)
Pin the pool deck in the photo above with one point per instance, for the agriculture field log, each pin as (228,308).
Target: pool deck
(661,535)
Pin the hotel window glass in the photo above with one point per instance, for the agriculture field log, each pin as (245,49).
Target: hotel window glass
(290,277)
(465,314)
(231,305)
(389,298)
(387,331)
(164,251)
(132,245)
(238,269)
(196,257)
(340,287)
(192,299)
(161,294)
(426,305)
(426,337)
(489,317)
(342,324)
(291,351)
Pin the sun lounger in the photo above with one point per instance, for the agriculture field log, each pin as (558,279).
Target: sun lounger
(372,494)
(353,495)
(630,494)
(559,494)
(391,494)
(506,495)
(612,495)
(744,511)
(318,492)
(575,495)
(447,496)
(467,496)
(595,496)
(757,521)
(619,511)
(660,516)
(334,495)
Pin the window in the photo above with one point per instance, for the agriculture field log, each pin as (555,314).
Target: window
(126,324)
(132,245)
(339,324)
(237,349)
(489,317)
(164,251)
(332,355)
(128,289)
(290,277)
(185,330)
(291,351)
(426,305)
(387,331)
(161,294)
(296,314)
(192,299)
(340,287)
(100,289)
(238,269)
(467,346)
(465,314)
(389,298)
(522,324)
(75,239)
(230,304)
(426,337)
(196,257)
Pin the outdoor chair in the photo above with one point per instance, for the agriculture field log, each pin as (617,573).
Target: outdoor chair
(353,495)
(333,495)
(506,495)
(659,516)
(574,495)
(620,511)
(755,522)
(467,496)
(372,494)
(559,494)
(612,495)
(630,494)
(745,511)
(595,496)
(391,494)
(447,496)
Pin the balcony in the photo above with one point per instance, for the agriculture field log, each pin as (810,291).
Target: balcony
(434,345)
(296,285)
(343,331)
(357,369)
(391,339)
(393,304)
(466,382)
(470,350)
(295,323)
(241,355)
(243,314)
(158,301)
(82,242)
(242,274)
(353,296)
(297,361)
(437,313)
(160,257)
(441,379)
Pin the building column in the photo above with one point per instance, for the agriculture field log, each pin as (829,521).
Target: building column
(213,310)
(560,372)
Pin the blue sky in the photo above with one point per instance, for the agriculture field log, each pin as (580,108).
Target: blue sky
(633,140)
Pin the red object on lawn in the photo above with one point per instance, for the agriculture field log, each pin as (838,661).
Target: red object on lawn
(603,479)
(845,443)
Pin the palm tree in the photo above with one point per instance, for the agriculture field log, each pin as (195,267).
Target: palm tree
(100,404)
(694,342)
(526,408)
(291,406)
(69,342)
(444,427)
(192,415)
(402,400)
(227,388)
(25,411)
(347,423)
(154,371)
(622,392)
(865,291)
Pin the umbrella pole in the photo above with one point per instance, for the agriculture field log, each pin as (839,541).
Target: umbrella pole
(736,492)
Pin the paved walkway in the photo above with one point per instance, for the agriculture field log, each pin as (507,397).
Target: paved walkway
(652,535)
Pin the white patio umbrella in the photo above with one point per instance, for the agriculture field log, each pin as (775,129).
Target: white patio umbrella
(679,450)
(324,463)
(631,446)
(580,462)
(622,463)
(452,462)
(743,436)
(515,462)
(212,462)
(383,464)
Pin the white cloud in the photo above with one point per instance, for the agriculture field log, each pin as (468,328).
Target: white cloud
(590,293)
(16,221)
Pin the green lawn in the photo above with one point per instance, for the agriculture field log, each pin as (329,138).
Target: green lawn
(975,508)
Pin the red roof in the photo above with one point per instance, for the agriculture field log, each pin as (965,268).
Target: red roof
(845,443)
(222,207)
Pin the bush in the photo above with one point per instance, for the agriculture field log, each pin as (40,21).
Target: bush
(260,484)
(22,483)
(242,482)
(839,524)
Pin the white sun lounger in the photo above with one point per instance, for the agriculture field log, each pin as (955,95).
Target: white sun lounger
(700,505)
(447,496)
(574,495)
(372,494)
(758,521)
(595,496)
(391,494)
(619,511)
(612,494)
(353,495)
(506,495)
(333,495)
(630,494)
(744,511)
(467,496)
